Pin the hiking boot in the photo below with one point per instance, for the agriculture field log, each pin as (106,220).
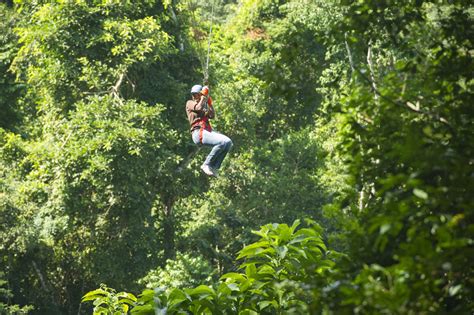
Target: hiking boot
(206,169)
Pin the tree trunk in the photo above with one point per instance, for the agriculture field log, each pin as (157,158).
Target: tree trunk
(169,230)
(372,73)
(349,54)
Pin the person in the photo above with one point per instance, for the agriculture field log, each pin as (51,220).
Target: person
(199,111)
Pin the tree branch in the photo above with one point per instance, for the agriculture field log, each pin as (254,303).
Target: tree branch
(117,85)
(403,104)
(351,62)
(372,75)
(131,83)
(115,90)
(43,281)
(40,276)
(176,22)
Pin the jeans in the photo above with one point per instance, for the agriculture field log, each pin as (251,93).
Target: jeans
(220,144)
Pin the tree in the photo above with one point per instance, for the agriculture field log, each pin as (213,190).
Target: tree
(10,91)
(6,295)
(356,114)
(285,271)
(103,156)
(406,140)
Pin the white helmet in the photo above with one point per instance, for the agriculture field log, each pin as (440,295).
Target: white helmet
(196,89)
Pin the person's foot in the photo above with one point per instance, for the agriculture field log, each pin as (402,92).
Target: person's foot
(215,171)
(207,170)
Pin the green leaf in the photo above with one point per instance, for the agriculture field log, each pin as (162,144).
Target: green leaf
(307,232)
(176,297)
(253,249)
(125,308)
(298,239)
(266,270)
(420,193)
(282,251)
(250,270)
(248,312)
(127,295)
(100,300)
(146,309)
(453,290)
(92,295)
(284,233)
(126,301)
(264,304)
(202,289)
(146,296)
(233,287)
(176,293)
(99,310)
(234,276)
(384,228)
(295,225)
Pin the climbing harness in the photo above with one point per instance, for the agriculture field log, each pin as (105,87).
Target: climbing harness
(203,123)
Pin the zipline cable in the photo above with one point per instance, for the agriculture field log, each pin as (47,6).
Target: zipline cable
(206,70)
(204,61)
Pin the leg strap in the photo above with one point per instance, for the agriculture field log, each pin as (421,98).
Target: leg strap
(201,131)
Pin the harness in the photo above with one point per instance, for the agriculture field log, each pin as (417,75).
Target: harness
(203,123)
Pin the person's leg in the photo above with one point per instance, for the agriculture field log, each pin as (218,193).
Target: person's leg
(221,156)
(220,143)
(195,136)
(204,167)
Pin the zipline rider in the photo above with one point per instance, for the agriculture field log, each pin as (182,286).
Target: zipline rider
(200,110)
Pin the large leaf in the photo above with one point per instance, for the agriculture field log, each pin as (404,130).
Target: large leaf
(201,290)
(238,277)
(253,249)
(92,295)
(146,309)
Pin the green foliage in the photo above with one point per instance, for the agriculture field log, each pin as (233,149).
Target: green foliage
(10,91)
(282,273)
(108,302)
(95,165)
(262,57)
(408,152)
(5,298)
(184,271)
(74,49)
(354,114)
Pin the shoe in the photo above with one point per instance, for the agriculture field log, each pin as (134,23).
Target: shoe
(215,171)
(207,170)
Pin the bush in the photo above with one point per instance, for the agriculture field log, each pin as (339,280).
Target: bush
(284,272)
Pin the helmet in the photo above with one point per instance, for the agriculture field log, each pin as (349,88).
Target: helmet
(196,88)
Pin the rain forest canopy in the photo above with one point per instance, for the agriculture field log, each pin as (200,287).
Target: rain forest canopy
(349,188)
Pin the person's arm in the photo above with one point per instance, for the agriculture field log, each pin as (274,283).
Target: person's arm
(200,106)
(211,113)
(194,107)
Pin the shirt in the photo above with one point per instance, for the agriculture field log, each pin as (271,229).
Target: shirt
(196,113)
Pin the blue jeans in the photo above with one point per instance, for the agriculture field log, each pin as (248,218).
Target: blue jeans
(220,144)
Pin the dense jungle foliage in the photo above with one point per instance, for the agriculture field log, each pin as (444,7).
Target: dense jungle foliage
(349,189)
